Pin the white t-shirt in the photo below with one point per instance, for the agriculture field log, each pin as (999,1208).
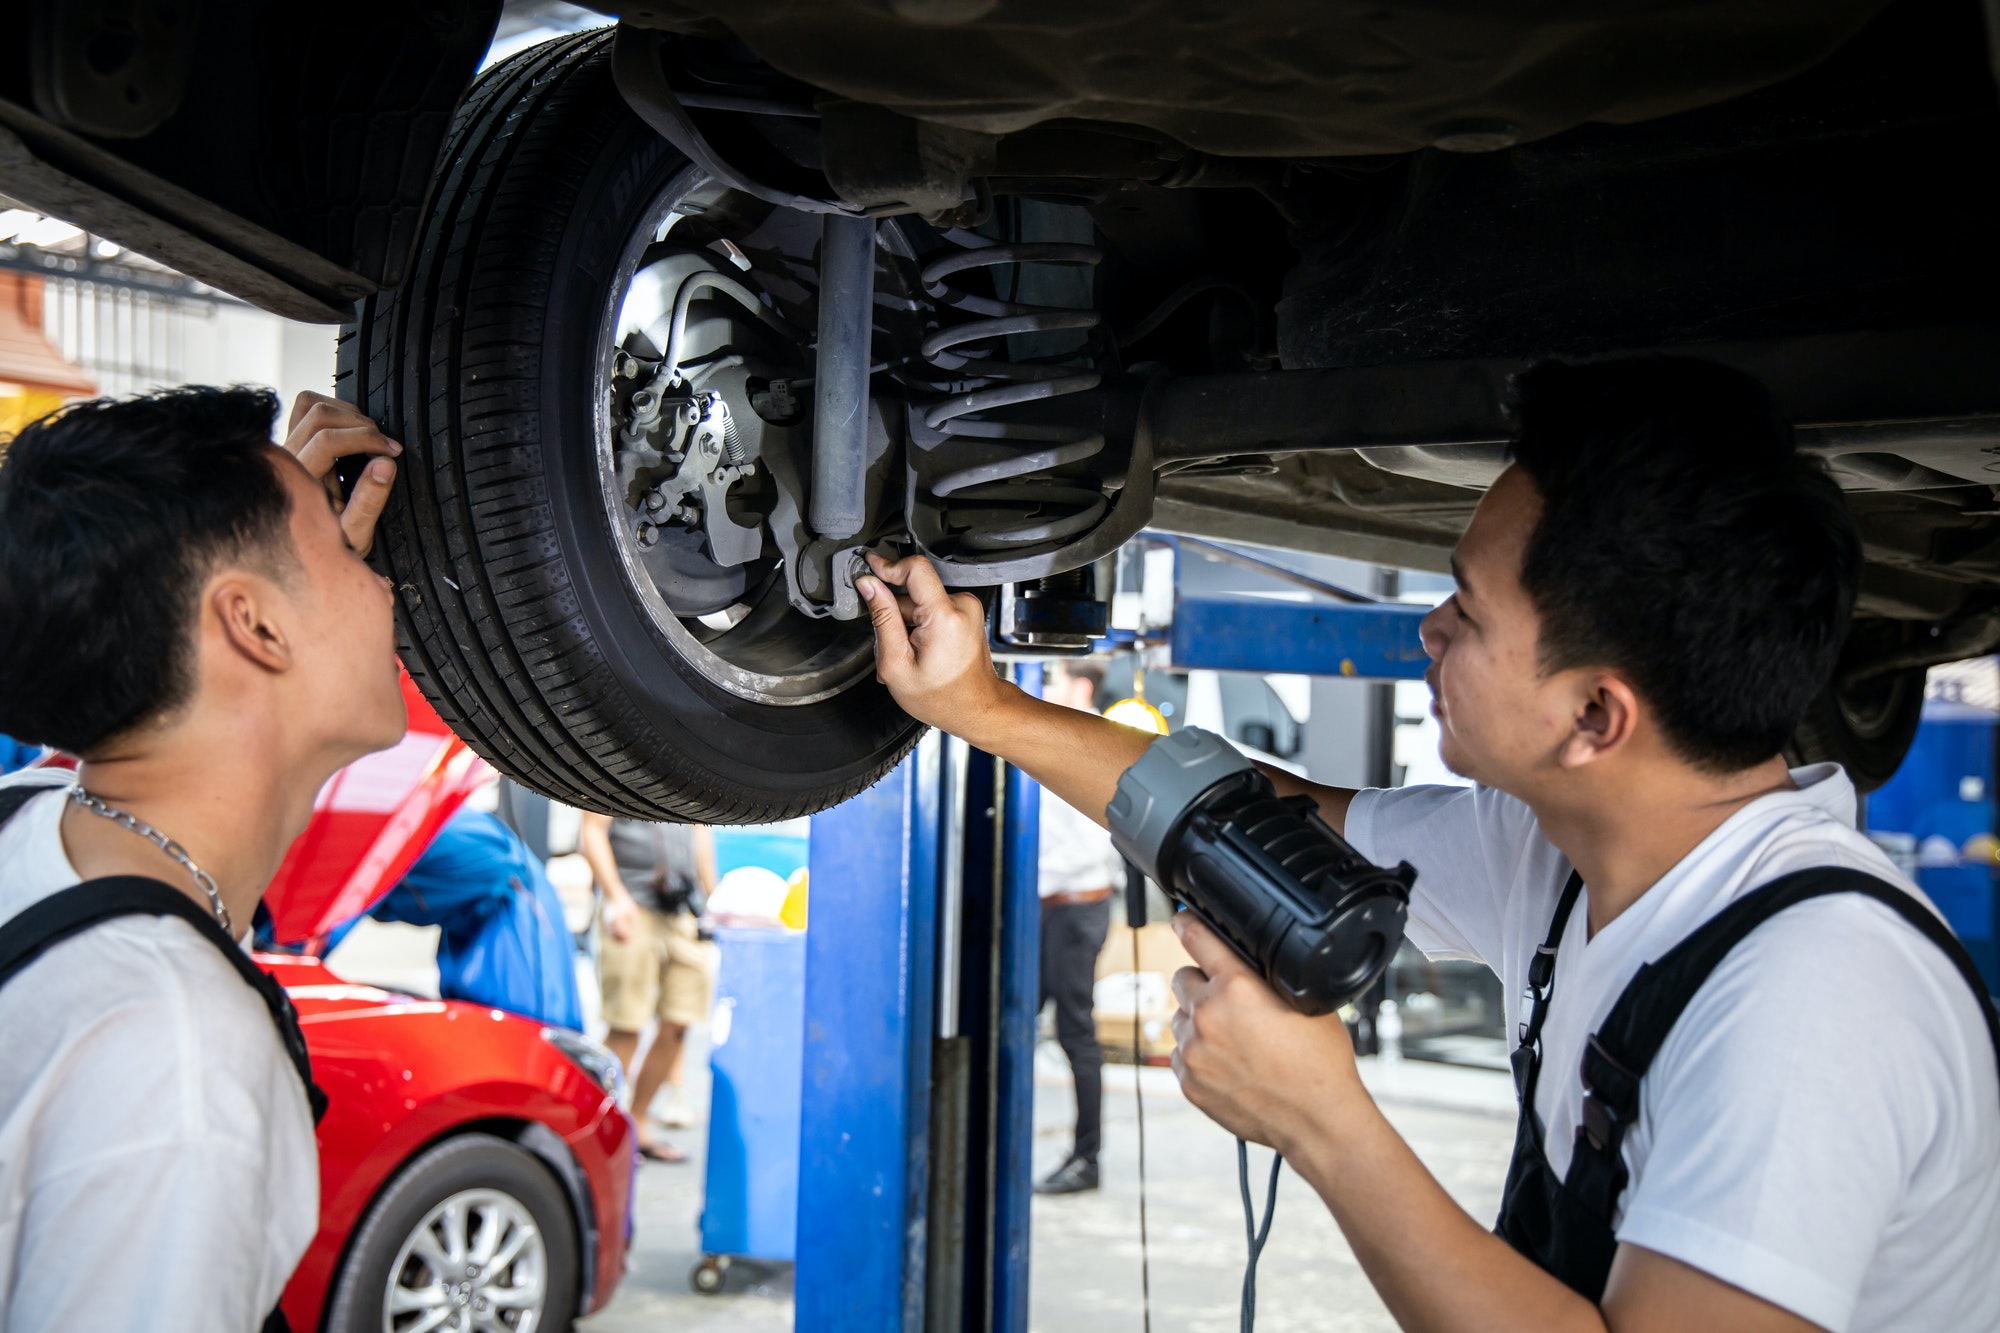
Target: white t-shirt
(157,1168)
(1076,855)
(1822,1127)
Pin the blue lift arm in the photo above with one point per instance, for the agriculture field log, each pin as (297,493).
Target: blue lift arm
(1343,633)
(1377,641)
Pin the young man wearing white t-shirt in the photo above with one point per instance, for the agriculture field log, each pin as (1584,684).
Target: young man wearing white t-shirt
(186,608)
(1075,872)
(1646,602)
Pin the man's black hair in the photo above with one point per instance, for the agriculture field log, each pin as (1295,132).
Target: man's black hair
(113,514)
(1685,543)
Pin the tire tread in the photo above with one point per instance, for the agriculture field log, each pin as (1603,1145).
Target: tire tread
(489,625)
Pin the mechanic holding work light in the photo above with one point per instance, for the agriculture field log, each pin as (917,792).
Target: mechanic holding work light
(1646,601)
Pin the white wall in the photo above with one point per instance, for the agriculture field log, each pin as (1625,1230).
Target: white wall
(134,343)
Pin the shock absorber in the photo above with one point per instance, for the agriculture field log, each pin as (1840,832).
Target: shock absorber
(1002,500)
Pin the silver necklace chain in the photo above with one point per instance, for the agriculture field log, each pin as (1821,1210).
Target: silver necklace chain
(131,823)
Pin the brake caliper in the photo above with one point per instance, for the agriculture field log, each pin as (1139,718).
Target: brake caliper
(678,456)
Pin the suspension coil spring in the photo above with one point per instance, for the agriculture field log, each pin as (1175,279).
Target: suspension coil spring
(1008,502)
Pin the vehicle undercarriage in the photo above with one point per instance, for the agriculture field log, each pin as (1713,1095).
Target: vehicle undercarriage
(695,309)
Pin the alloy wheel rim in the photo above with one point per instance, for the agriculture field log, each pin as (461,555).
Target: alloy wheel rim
(743,649)
(476,1263)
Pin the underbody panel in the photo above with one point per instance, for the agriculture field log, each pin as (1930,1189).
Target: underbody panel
(1283,78)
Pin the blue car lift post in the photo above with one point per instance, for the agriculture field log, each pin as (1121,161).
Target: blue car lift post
(922,989)
(921,993)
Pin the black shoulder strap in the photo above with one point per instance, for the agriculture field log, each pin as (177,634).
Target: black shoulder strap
(1527,1056)
(72,911)
(1623,1049)
(13,797)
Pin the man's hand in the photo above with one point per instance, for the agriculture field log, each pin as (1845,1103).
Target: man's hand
(619,914)
(930,646)
(1250,1062)
(324,430)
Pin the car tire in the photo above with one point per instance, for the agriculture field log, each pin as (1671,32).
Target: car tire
(490,1172)
(516,617)
(1866,729)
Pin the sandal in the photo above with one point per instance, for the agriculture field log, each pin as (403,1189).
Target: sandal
(661,1152)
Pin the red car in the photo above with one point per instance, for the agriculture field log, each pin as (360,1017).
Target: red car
(475,1166)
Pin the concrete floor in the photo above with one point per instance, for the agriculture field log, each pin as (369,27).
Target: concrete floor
(1085,1274)
(1086,1247)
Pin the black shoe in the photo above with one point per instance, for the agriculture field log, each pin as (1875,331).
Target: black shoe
(1072,1177)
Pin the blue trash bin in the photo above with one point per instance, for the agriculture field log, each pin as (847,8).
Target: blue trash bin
(756,1055)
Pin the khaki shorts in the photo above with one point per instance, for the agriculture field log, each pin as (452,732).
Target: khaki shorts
(660,970)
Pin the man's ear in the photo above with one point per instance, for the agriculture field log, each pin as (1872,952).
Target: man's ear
(1606,717)
(243,609)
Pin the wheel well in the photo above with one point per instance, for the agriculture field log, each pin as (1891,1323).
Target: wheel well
(548,1148)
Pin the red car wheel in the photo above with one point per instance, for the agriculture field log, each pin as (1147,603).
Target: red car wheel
(474,1234)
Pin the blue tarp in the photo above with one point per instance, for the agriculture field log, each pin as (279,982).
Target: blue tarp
(1930,801)
(13,754)
(504,942)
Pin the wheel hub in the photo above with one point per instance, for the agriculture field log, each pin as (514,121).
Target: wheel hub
(702,457)
(476,1261)
(682,454)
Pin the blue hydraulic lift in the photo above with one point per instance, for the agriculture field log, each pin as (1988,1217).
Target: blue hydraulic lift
(922,991)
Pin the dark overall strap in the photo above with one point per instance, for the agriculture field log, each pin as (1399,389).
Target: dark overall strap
(1622,1050)
(72,911)
(14,797)
(1527,1056)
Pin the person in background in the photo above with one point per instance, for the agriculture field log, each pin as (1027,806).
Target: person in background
(652,961)
(1078,867)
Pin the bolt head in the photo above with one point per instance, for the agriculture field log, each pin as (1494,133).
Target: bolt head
(648,536)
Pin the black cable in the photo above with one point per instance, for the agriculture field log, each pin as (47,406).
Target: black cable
(1255,1234)
(1139,1098)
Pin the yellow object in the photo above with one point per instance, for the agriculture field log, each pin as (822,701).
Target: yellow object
(20,406)
(1138,714)
(793,913)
